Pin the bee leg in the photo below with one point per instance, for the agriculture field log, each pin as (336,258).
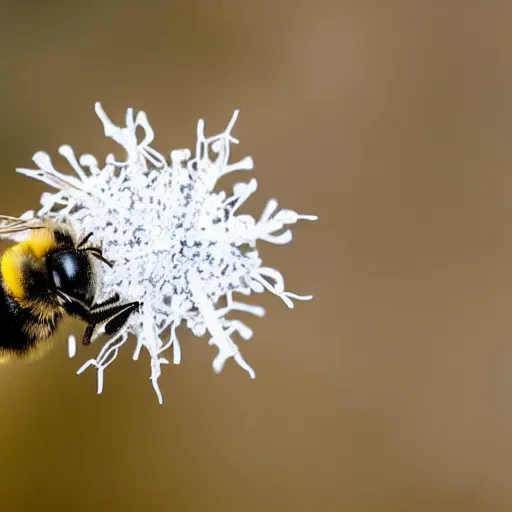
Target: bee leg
(112,300)
(87,337)
(117,316)
(116,322)
(89,331)
(114,315)
(75,307)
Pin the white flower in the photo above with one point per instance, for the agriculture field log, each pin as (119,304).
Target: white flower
(177,245)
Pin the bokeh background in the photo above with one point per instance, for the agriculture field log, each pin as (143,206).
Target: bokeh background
(392,389)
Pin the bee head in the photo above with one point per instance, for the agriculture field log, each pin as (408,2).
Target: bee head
(72,272)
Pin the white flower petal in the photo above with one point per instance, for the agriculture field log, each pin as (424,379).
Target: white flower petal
(178,246)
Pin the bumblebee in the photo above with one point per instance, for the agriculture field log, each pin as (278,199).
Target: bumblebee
(46,276)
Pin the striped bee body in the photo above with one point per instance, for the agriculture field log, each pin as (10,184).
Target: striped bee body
(44,277)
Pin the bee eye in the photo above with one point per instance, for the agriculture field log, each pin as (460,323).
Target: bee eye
(56,279)
(72,272)
(66,266)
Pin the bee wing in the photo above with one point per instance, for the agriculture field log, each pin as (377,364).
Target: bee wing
(11,227)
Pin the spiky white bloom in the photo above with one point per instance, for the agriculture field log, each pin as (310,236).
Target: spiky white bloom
(177,245)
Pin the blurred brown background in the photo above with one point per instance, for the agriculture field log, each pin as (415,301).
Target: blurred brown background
(392,389)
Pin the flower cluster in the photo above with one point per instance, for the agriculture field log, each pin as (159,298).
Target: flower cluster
(178,246)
